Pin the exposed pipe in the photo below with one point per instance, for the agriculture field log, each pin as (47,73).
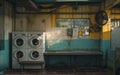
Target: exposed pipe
(33,4)
(28,12)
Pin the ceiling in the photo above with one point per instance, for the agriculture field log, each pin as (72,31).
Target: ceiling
(117,6)
(38,4)
(50,4)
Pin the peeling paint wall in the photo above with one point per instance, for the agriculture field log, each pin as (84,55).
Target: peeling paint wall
(32,22)
(47,23)
(1,26)
(7,22)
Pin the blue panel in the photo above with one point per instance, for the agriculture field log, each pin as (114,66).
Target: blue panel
(4,57)
(1,44)
(1,72)
(84,44)
(105,47)
(76,44)
(59,45)
(2,61)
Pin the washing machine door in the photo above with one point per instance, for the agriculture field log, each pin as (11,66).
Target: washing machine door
(35,55)
(19,54)
(19,42)
(36,42)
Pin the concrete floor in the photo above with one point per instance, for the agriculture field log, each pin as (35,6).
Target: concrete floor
(41,72)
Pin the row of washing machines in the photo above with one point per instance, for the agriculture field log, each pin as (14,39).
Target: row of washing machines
(27,46)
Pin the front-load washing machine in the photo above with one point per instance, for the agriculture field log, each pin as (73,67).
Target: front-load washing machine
(19,43)
(36,48)
(35,55)
(19,40)
(17,56)
(36,40)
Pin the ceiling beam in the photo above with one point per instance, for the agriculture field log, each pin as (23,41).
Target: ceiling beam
(33,4)
(112,4)
(52,1)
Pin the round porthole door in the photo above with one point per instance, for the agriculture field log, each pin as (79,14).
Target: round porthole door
(35,42)
(19,42)
(19,54)
(35,55)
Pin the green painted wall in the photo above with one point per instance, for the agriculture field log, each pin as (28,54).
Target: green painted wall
(75,44)
(4,56)
(7,23)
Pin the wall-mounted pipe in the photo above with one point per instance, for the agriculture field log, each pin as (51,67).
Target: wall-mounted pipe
(33,4)
(55,12)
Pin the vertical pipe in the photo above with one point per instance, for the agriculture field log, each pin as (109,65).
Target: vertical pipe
(14,17)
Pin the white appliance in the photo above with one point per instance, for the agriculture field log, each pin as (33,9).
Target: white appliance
(35,55)
(17,56)
(19,40)
(19,43)
(36,40)
(36,48)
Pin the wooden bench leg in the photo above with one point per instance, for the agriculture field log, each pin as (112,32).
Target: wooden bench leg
(21,67)
(41,66)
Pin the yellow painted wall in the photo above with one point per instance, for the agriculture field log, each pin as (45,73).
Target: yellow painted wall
(115,16)
(32,22)
(85,8)
(44,22)
(106,29)
(105,34)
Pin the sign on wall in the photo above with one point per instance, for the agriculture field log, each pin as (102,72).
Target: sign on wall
(83,25)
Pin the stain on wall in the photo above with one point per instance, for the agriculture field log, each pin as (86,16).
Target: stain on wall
(32,22)
(7,21)
(47,22)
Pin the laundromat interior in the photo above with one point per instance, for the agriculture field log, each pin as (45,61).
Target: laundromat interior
(59,37)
